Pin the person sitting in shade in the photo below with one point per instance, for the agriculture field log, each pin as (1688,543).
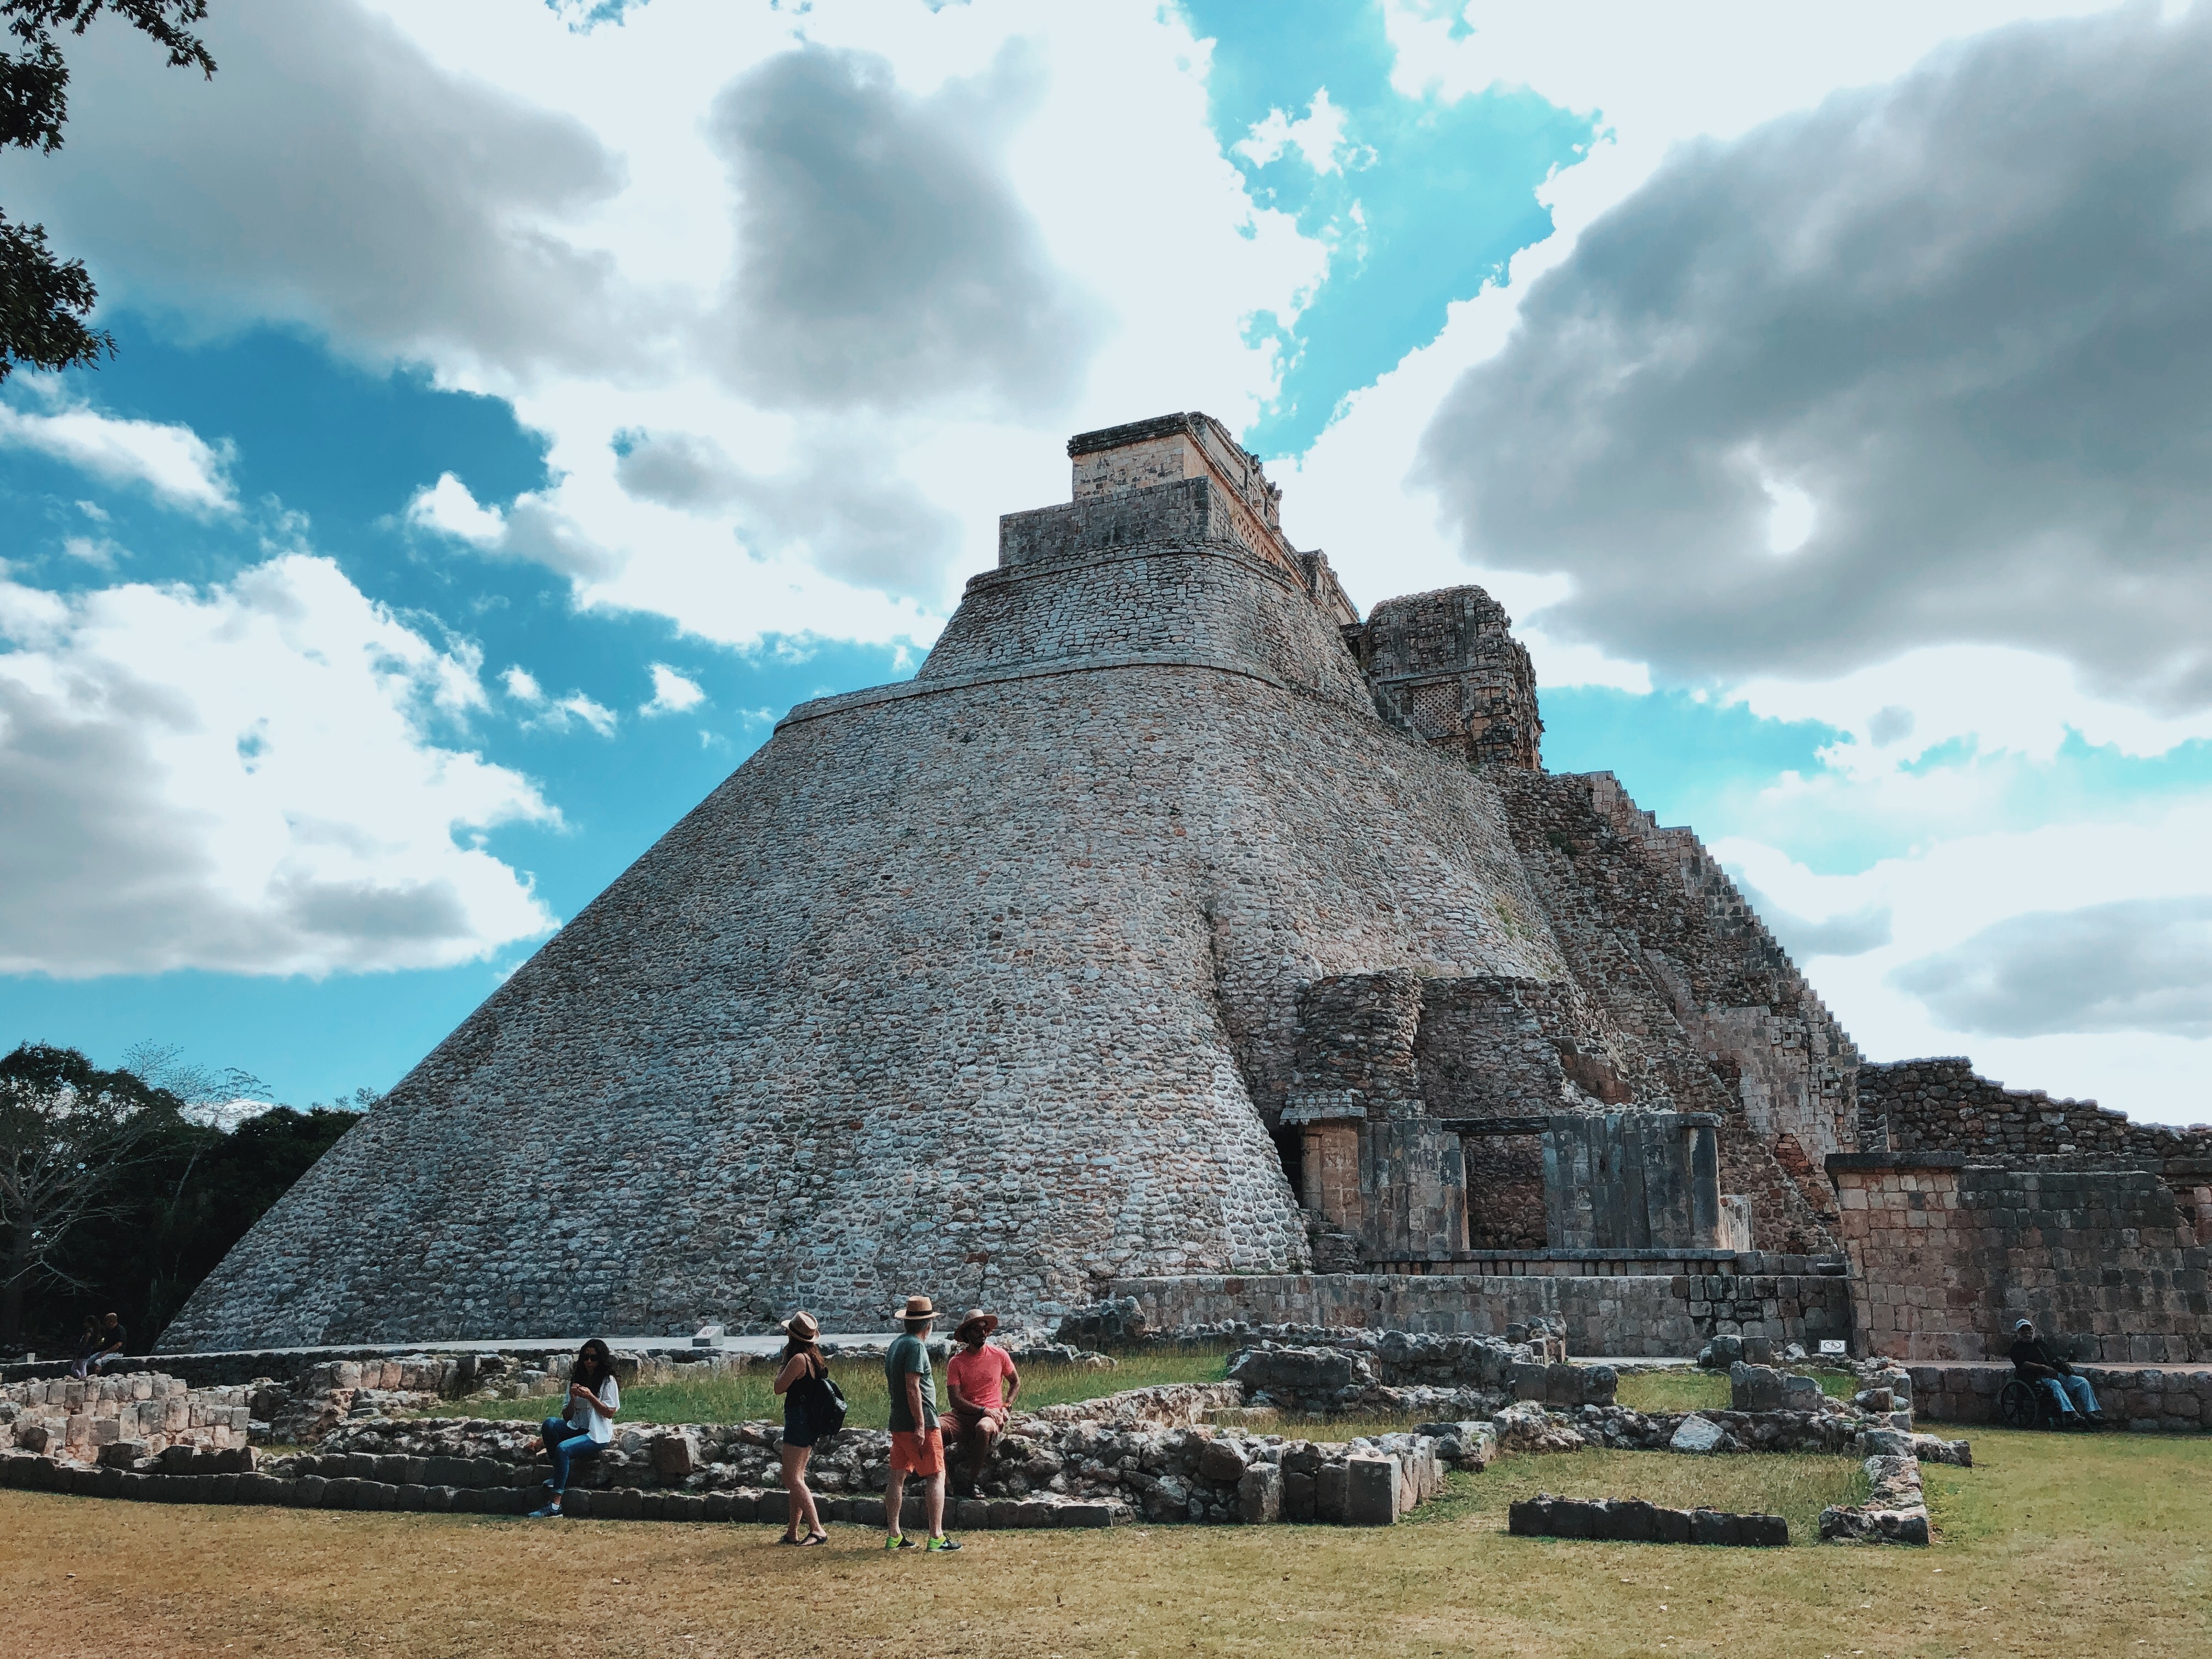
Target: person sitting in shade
(589,1422)
(983,1384)
(2034,1360)
(108,1343)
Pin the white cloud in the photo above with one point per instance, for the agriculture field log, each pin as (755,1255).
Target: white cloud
(533,529)
(245,778)
(672,693)
(1318,136)
(333,175)
(448,508)
(555,713)
(181,469)
(2032,950)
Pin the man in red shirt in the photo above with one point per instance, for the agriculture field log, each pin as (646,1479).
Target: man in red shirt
(983,1384)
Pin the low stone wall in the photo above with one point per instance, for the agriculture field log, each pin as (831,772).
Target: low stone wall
(1629,1316)
(2167,1400)
(77,1419)
(1632,1521)
(1086,1473)
(1439,1376)
(1896,1510)
(449,1374)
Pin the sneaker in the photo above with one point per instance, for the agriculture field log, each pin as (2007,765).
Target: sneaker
(894,1541)
(550,1512)
(938,1546)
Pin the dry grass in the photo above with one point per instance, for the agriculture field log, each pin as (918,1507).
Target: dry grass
(2052,1548)
(748,1396)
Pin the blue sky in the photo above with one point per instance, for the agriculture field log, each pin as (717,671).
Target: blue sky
(447,527)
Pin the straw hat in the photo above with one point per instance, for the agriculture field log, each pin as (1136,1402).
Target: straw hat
(977,1321)
(917,1307)
(802,1327)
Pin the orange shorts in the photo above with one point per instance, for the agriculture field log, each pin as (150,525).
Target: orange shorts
(918,1454)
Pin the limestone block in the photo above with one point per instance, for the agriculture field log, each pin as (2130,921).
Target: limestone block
(1699,1435)
(1712,1527)
(675,1455)
(1222,1461)
(1371,1497)
(1260,1494)
(1330,1490)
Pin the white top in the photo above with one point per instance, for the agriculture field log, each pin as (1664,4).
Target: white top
(587,1418)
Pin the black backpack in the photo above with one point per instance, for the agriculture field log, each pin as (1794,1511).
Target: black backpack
(825,1403)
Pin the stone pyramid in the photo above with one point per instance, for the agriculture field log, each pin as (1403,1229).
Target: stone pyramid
(1049,969)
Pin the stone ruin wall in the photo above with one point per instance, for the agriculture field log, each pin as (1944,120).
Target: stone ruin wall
(1948,1254)
(1707,1011)
(1635,1313)
(79,1418)
(1942,1105)
(1445,667)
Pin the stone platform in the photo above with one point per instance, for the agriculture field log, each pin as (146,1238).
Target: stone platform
(2146,1399)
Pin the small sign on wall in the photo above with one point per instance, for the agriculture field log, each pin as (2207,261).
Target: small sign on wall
(1831,1345)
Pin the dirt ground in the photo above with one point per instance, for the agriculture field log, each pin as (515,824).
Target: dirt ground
(2051,1547)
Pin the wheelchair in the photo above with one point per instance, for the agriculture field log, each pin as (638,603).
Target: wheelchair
(2024,1405)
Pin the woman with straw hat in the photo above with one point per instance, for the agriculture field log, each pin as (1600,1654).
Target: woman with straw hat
(804,1371)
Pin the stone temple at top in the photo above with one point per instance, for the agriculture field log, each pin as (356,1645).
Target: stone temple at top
(1176,933)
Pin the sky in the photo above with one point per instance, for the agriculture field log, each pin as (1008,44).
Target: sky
(519,406)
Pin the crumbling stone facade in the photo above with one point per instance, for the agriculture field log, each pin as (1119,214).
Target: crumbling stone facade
(1948,1253)
(1172,925)
(1446,667)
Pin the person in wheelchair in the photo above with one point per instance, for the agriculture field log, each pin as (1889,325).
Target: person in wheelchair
(2035,1362)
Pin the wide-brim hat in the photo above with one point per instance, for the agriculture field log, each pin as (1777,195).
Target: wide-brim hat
(917,1307)
(804,1326)
(975,1320)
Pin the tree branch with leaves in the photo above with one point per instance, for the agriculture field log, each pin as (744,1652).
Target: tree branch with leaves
(68,1131)
(46,301)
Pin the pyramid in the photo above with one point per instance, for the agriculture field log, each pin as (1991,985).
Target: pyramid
(1074,959)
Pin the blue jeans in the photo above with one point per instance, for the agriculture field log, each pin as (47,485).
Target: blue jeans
(564,1443)
(2072,1393)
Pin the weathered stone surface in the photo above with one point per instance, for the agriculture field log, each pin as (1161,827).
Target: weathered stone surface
(1260,1494)
(1698,1434)
(1371,1497)
(1069,888)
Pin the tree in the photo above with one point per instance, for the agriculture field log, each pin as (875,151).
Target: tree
(156,1209)
(68,1132)
(44,300)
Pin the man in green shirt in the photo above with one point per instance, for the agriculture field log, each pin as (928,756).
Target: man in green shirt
(917,1448)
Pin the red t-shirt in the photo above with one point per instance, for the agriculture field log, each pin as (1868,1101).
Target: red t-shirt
(979,1373)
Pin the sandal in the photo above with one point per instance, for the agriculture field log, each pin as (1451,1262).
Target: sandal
(814,1538)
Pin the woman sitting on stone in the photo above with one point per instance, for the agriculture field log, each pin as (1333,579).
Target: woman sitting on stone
(984,1383)
(589,1421)
(800,1383)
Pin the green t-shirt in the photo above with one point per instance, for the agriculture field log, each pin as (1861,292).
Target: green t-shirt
(908,1355)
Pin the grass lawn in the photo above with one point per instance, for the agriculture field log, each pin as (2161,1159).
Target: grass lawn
(1688,1389)
(2051,1547)
(747,1396)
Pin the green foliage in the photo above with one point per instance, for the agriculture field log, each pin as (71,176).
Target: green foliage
(160,1198)
(44,300)
(69,1135)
